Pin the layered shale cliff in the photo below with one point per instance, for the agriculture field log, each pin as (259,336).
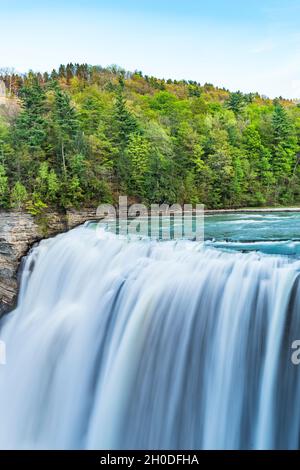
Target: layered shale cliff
(18,232)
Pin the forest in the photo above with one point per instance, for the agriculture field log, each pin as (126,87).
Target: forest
(83,135)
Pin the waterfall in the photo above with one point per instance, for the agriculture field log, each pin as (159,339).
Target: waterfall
(119,344)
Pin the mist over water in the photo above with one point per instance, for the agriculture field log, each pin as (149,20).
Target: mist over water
(120,344)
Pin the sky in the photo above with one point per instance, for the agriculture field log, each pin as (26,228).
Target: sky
(241,45)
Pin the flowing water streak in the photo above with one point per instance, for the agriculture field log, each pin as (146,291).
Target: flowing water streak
(141,344)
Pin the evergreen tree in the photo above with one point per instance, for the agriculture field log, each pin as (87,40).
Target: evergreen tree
(236,102)
(284,150)
(124,122)
(124,125)
(65,128)
(31,124)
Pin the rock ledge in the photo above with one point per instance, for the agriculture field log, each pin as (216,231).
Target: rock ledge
(18,232)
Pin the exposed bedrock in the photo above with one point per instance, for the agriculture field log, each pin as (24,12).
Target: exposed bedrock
(18,232)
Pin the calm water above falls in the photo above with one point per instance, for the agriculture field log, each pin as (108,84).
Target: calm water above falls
(249,227)
(271,233)
(140,344)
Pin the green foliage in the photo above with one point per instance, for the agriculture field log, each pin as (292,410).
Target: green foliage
(124,121)
(3,187)
(47,183)
(236,102)
(36,206)
(30,127)
(138,151)
(83,135)
(18,196)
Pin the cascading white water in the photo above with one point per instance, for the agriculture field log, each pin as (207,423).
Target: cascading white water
(128,345)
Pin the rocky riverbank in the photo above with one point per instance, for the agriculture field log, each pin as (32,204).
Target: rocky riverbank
(18,232)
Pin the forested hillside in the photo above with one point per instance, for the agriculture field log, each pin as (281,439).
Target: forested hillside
(83,135)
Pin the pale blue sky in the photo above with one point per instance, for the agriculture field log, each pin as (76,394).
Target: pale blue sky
(252,46)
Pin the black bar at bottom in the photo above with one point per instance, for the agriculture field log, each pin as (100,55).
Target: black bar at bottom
(135,459)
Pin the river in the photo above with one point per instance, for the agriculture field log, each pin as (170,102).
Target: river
(141,344)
